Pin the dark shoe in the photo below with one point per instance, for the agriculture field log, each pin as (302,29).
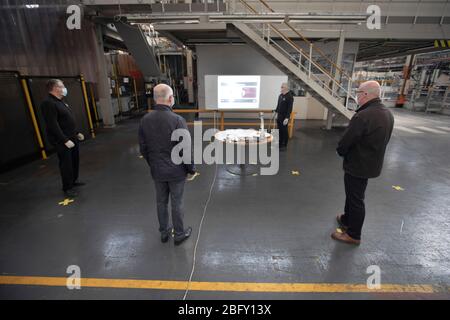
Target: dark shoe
(70,193)
(166,235)
(340,223)
(183,237)
(79,184)
(344,237)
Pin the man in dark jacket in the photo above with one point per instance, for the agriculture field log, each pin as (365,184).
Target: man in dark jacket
(363,147)
(63,134)
(156,146)
(284,110)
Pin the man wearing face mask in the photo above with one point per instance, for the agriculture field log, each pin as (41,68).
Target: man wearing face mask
(284,110)
(155,132)
(62,133)
(363,147)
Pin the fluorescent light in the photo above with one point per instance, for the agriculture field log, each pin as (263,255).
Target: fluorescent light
(32,6)
(176,22)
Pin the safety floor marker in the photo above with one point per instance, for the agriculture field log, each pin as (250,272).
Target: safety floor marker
(66,202)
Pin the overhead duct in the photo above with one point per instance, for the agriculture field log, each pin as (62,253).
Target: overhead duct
(139,48)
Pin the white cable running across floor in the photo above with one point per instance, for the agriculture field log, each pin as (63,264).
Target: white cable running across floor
(201,225)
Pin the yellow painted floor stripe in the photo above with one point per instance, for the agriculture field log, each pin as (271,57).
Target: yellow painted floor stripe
(223,286)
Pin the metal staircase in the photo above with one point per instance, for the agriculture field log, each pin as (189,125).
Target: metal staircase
(332,88)
(315,72)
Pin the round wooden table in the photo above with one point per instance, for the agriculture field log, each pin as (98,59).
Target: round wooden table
(243,138)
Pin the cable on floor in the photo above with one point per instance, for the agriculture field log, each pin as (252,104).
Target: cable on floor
(201,225)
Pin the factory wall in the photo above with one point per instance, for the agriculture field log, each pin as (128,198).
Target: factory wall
(244,60)
(230,60)
(37,42)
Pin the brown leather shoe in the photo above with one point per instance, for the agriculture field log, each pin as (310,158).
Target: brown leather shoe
(344,237)
(339,221)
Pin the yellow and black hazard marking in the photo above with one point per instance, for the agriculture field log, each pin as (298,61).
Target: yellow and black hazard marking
(442,44)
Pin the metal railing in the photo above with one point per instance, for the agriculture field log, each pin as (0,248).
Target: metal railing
(336,81)
(224,122)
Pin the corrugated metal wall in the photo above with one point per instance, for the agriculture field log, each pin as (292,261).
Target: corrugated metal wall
(17,137)
(37,42)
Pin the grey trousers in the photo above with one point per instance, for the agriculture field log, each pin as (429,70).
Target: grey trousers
(175,189)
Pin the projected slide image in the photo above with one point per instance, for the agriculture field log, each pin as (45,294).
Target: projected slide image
(238,92)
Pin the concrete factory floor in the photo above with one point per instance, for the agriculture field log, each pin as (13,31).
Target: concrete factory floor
(269,235)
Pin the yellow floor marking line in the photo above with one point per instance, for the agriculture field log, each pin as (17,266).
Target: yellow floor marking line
(398,188)
(224,286)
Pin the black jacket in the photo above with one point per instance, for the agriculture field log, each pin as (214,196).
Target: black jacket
(364,142)
(59,120)
(284,106)
(155,144)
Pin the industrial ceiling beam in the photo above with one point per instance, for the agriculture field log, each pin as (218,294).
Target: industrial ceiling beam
(247,18)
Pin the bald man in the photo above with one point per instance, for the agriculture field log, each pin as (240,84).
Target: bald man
(156,146)
(363,147)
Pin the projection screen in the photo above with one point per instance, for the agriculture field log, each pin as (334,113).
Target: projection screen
(242,92)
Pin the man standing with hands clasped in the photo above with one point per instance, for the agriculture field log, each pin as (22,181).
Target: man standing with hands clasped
(62,133)
(156,145)
(283,111)
(363,147)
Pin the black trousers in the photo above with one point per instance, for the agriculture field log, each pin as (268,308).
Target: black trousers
(355,210)
(69,162)
(283,132)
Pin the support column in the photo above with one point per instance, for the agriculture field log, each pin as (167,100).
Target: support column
(190,76)
(401,99)
(104,95)
(340,51)
(231,6)
(330,116)
(337,75)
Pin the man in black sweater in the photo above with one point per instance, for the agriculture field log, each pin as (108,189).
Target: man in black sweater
(284,110)
(156,145)
(62,133)
(363,147)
